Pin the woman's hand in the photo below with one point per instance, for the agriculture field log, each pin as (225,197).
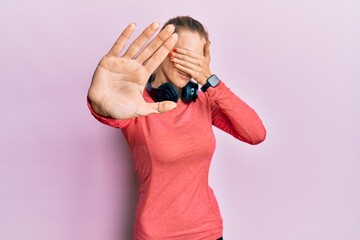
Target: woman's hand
(192,63)
(118,82)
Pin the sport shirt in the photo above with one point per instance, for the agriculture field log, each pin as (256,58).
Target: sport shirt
(172,153)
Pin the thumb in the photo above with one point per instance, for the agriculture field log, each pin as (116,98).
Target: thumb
(161,107)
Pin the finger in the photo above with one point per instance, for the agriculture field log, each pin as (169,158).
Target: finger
(198,75)
(121,41)
(155,43)
(187,64)
(164,106)
(185,69)
(187,53)
(155,60)
(139,42)
(207,50)
(158,107)
(196,61)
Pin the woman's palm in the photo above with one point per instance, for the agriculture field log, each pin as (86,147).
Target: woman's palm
(118,82)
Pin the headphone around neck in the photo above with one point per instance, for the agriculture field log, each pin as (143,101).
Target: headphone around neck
(167,91)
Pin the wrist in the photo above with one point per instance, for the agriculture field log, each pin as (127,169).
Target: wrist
(96,109)
(95,103)
(212,81)
(205,78)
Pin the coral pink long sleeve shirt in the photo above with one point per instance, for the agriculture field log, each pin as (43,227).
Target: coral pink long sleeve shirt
(172,154)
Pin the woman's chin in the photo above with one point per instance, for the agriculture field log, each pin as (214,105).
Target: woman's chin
(181,83)
(182,80)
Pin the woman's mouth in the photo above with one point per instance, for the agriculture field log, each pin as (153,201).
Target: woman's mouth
(184,75)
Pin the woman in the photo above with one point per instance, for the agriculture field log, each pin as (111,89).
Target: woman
(172,151)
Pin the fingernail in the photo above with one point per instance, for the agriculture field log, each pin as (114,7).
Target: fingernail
(174,50)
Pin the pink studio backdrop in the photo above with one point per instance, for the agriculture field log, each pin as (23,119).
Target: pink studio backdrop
(64,176)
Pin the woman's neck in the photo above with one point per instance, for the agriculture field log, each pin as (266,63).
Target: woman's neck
(159,78)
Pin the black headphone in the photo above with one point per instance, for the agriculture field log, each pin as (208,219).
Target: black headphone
(167,91)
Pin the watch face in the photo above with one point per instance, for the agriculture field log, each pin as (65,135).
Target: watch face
(213,80)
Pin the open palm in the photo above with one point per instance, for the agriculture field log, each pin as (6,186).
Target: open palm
(118,82)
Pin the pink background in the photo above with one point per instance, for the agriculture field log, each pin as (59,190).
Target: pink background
(65,176)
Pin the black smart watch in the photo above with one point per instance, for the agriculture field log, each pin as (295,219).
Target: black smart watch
(212,81)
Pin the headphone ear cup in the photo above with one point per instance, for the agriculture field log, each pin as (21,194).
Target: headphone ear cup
(189,93)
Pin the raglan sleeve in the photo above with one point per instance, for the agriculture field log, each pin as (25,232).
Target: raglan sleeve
(234,116)
(116,123)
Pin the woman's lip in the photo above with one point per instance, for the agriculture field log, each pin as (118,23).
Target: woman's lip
(184,75)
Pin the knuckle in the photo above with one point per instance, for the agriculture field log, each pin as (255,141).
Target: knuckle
(136,45)
(149,49)
(147,33)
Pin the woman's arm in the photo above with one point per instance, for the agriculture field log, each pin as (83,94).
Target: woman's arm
(229,112)
(234,116)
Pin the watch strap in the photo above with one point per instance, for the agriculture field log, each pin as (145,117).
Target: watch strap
(205,86)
